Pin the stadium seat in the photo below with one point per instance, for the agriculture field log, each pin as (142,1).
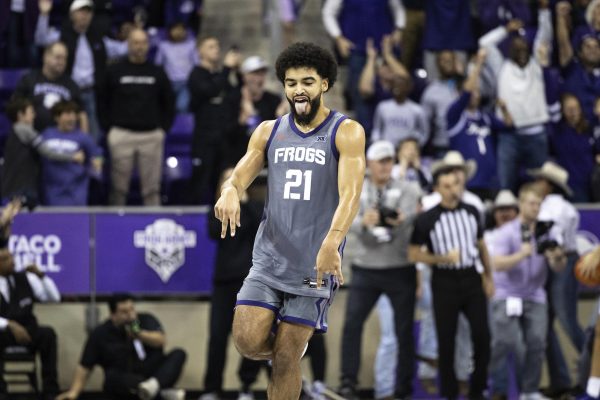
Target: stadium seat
(20,369)
(183,126)
(10,77)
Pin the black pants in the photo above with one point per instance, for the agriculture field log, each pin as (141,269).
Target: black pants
(221,318)
(460,291)
(205,175)
(166,368)
(367,285)
(43,341)
(318,357)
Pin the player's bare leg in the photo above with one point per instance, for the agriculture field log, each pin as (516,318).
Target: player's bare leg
(286,378)
(252,332)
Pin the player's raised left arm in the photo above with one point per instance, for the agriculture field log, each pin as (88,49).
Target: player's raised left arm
(350,142)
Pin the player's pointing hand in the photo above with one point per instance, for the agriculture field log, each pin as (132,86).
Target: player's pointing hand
(227,210)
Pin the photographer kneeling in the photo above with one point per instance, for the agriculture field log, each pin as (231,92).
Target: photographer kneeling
(383,227)
(129,348)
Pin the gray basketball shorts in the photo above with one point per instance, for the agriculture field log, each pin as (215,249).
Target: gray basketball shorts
(303,310)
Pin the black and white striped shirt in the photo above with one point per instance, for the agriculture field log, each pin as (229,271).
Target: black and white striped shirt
(443,230)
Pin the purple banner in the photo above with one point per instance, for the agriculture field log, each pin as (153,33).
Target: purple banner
(153,253)
(58,244)
(589,229)
(164,253)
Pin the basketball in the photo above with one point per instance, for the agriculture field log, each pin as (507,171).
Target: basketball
(594,279)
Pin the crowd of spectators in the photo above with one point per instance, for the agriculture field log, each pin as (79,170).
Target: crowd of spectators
(508,83)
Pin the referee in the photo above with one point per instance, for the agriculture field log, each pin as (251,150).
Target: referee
(449,238)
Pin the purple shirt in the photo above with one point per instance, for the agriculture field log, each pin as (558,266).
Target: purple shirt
(526,280)
(585,85)
(575,152)
(178,59)
(65,183)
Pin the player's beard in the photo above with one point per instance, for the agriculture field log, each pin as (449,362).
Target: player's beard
(306,118)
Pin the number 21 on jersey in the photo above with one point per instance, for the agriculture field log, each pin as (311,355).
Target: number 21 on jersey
(295,179)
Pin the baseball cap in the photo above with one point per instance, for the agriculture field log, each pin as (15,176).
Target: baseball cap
(253,63)
(379,150)
(79,4)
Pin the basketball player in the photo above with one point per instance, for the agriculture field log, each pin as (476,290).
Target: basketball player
(316,165)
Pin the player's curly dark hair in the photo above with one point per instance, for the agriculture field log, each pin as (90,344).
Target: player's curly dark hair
(307,55)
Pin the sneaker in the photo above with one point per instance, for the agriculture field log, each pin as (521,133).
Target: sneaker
(533,396)
(209,396)
(348,391)
(172,394)
(429,385)
(245,396)
(316,390)
(148,389)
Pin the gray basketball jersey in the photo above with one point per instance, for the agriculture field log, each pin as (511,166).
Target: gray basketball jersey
(302,198)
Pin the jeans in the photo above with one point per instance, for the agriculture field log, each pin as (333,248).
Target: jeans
(562,297)
(182,96)
(500,376)
(428,344)
(367,286)
(564,287)
(88,98)
(387,351)
(518,150)
(530,329)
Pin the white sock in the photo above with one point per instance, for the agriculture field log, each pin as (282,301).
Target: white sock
(593,386)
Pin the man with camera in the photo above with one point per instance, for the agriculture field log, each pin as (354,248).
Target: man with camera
(521,251)
(129,348)
(383,227)
(551,180)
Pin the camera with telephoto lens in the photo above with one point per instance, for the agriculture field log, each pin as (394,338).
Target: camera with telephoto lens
(385,213)
(543,242)
(540,231)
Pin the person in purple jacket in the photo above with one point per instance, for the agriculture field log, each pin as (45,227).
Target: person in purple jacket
(472,132)
(580,61)
(65,183)
(575,148)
